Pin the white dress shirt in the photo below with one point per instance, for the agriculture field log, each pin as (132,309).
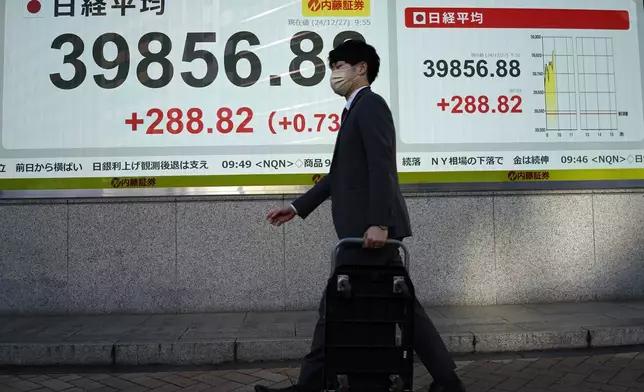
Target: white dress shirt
(352,97)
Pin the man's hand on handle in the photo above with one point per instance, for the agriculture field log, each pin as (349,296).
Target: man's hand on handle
(375,237)
(281,215)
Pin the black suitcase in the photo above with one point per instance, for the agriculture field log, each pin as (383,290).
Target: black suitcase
(369,327)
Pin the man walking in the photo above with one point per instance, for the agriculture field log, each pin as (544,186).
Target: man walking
(366,202)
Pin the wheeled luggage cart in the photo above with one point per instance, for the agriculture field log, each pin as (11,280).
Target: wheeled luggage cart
(369,326)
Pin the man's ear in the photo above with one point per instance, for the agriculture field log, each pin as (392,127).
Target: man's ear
(363,68)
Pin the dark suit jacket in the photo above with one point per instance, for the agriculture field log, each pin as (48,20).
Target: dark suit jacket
(363,178)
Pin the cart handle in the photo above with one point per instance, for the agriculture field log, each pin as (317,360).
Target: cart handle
(356,240)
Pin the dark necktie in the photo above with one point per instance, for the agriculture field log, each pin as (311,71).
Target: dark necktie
(344,114)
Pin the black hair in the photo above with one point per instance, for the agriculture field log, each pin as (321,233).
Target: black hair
(355,51)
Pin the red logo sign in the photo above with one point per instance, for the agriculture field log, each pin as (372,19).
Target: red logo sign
(34,6)
(316,178)
(315,5)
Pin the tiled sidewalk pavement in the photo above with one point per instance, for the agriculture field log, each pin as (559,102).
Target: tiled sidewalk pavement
(575,372)
(215,338)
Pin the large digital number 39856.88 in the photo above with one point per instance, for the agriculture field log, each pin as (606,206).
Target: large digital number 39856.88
(190,53)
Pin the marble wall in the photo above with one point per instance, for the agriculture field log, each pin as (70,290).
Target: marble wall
(213,254)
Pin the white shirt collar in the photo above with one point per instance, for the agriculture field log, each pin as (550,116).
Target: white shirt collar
(353,95)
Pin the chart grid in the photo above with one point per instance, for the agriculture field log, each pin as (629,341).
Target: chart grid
(596,73)
(559,83)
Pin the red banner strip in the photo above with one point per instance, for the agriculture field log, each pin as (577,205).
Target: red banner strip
(516,18)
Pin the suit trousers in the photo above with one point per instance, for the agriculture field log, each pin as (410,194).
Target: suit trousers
(428,344)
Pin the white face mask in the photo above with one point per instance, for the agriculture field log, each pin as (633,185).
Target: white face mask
(340,83)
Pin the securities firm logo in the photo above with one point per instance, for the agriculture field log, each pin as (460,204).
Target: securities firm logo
(528,176)
(320,8)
